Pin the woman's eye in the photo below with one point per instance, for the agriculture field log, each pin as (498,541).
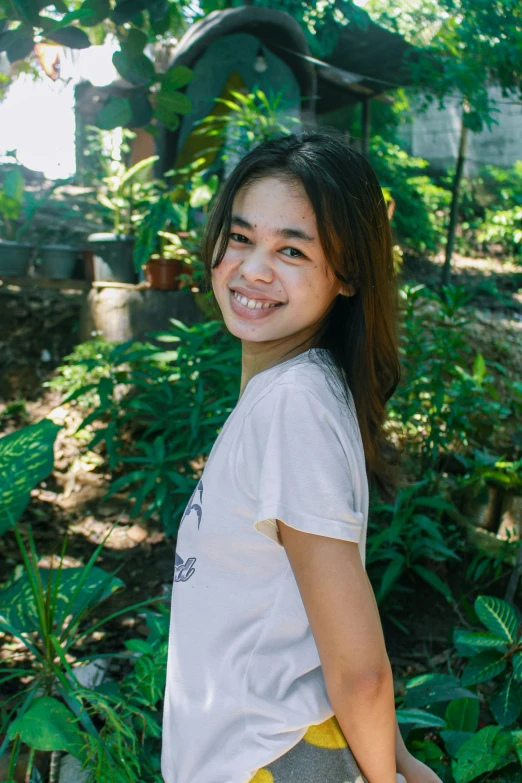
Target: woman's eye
(243,239)
(301,255)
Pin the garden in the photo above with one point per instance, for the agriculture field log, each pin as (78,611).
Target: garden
(104,433)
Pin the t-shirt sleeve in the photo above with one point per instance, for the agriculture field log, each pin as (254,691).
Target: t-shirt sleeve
(301,466)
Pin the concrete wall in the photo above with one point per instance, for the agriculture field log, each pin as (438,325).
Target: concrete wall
(434,135)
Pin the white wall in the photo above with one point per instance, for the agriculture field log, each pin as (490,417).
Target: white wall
(434,135)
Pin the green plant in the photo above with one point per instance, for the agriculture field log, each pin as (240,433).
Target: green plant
(462,746)
(50,611)
(252,119)
(26,458)
(11,202)
(123,190)
(171,403)
(407,534)
(443,407)
(421,205)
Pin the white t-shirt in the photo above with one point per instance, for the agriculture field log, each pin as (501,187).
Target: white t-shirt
(244,678)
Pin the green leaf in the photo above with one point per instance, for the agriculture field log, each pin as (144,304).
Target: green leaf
(138,70)
(93,12)
(420,718)
(170,103)
(127,10)
(48,725)
(26,458)
(498,616)
(482,667)
(431,688)
(462,714)
(479,368)
(479,640)
(27,10)
(115,113)
(506,702)
(454,739)
(142,111)
(390,576)
(72,37)
(517,665)
(17,44)
(176,77)
(434,580)
(135,42)
(477,755)
(139,645)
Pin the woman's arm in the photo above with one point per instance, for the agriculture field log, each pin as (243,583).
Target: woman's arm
(345,622)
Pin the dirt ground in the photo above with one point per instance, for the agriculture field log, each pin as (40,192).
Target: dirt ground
(38,329)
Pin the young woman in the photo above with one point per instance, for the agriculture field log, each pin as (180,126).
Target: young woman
(277,669)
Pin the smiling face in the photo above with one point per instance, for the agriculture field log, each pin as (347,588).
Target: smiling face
(274,255)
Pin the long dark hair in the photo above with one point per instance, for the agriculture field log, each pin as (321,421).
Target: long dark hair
(361,331)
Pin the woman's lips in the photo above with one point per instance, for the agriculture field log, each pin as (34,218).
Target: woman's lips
(252,313)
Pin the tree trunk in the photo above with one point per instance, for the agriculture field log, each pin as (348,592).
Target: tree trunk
(446,269)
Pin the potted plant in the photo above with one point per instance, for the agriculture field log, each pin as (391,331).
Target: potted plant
(159,249)
(15,256)
(113,251)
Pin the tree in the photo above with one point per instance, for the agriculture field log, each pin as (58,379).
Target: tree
(136,24)
(469,45)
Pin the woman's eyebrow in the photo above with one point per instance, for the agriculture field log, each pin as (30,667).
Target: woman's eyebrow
(287,233)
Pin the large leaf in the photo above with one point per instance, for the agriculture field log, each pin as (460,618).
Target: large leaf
(431,688)
(142,111)
(18,605)
(96,11)
(178,76)
(115,113)
(517,666)
(485,751)
(127,10)
(454,739)
(483,667)
(138,70)
(18,43)
(506,702)
(420,718)
(173,101)
(479,641)
(72,37)
(462,714)
(48,725)
(26,458)
(498,616)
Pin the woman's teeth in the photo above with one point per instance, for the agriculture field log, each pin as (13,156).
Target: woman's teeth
(254,304)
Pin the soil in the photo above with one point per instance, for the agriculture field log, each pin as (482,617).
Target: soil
(38,329)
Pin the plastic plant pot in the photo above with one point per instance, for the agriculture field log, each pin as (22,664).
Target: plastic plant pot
(113,257)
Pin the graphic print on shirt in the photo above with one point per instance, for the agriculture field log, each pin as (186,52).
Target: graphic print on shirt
(183,570)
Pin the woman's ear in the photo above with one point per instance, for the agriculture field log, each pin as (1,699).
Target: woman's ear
(347,290)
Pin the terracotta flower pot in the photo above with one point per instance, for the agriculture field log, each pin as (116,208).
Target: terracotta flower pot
(163,273)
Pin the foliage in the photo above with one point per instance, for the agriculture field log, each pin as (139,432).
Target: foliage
(50,611)
(490,209)
(466,46)
(421,205)
(461,747)
(448,403)
(18,205)
(123,189)
(170,208)
(136,24)
(407,534)
(175,401)
(252,119)
(26,458)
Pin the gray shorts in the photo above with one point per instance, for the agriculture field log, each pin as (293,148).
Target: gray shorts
(322,756)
